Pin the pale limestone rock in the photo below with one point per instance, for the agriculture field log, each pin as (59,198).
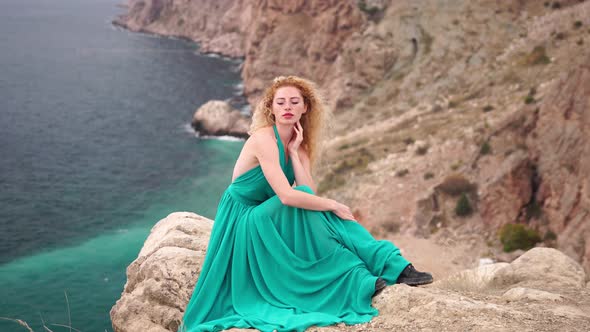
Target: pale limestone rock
(570,312)
(544,267)
(160,281)
(218,118)
(528,294)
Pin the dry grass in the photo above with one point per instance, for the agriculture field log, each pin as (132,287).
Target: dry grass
(538,56)
(45,327)
(472,281)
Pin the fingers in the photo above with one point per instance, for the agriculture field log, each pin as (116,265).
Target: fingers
(345,213)
(348,217)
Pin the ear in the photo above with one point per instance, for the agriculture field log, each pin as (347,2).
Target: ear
(306,108)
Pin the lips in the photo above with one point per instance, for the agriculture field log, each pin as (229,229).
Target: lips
(288,115)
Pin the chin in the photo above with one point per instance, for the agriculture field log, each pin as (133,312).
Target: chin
(292,120)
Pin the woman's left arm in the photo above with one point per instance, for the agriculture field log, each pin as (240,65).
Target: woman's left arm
(301,168)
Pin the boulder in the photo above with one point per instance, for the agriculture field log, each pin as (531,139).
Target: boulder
(544,268)
(160,281)
(529,294)
(218,118)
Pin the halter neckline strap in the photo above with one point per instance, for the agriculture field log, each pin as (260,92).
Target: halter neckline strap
(282,155)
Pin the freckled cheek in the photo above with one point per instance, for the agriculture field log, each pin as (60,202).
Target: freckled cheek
(299,108)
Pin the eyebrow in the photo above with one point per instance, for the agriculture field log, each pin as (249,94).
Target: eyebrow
(291,98)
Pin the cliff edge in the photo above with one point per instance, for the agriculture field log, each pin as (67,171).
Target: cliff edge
(543,290)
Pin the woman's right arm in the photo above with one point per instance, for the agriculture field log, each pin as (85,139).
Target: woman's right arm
(268,157)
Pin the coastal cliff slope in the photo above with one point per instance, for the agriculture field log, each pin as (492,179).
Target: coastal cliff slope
(494,93)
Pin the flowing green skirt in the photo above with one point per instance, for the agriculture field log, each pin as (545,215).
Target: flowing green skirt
(274,267)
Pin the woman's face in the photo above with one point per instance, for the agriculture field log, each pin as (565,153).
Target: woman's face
(287,105)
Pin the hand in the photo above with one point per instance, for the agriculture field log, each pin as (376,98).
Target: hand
(296,140)
(342,211)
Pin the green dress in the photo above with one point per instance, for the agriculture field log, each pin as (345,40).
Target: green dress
(271,266)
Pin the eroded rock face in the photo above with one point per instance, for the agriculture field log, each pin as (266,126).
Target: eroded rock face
(543,290)
(274,37)
(550,173)
(218,118)
(560,145)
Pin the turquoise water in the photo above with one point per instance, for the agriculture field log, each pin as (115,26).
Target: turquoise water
(96,148)
(92,273)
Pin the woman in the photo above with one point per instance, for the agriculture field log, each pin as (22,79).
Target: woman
(280,257)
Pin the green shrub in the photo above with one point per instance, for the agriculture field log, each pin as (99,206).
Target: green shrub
(453,103)
(529,99)
(428,175)
(456,184)
(577,24)
(550,236)
(421,150)
(532,91)
(409,140)
(485,148)
(455,166)
(560,36)
(463,207)
(402,172)
(533,210)
(538,56)
(365,8)
(391,227)
(518,236)
(488,108)
(357,161)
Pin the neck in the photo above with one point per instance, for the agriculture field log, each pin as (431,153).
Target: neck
(285,132)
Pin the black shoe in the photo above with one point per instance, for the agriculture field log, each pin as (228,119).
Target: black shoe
(380,285)
(410,276)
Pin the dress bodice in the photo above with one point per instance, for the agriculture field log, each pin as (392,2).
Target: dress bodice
(252,188)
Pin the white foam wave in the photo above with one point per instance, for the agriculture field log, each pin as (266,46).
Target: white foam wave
(189,129)
(222,138)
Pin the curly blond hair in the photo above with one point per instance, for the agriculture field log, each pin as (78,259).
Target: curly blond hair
(314,122)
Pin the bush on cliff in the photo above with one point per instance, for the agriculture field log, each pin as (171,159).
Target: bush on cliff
(455,185)
(518,236)
(463,207)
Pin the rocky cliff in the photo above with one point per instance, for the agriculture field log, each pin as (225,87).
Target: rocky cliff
(488,95)
(543,290)
(274,37)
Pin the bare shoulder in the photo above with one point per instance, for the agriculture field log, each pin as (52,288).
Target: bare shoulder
(262,137)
